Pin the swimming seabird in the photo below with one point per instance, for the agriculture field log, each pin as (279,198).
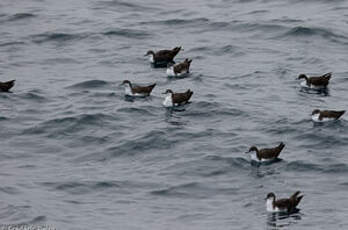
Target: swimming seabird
(316,81)
(175,99)
(282,205)
(179,69)
(326,115)
(141,91)
(163,57)
(266,154)
(6,86)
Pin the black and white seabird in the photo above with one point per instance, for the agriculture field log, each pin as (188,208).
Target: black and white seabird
(326,115)
(163,57)
(176,99)
(137,91)
(283,205)
(179,69)
(316,82)
(6,86)
(266,154)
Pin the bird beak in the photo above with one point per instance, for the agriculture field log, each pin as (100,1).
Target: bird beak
(145,55)
(164,93)
(247,152)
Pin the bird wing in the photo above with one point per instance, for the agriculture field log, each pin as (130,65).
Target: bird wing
(182,97)
(143,89)
(322,80)
(282,203)
(269,153)
(181,67)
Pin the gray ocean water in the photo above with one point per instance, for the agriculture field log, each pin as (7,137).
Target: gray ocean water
(75,154)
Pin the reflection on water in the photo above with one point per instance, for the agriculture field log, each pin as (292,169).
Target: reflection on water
(281,220)
(322,91)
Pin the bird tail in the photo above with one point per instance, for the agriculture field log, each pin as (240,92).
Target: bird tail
(189,94)
(340,113)
(152,86)
(298,199)
(281,146)
(295,195)
(176,50)
(10,82)
(327,76)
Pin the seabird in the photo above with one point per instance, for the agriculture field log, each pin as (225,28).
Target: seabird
(282,205)
(6,86)
(175,99)
(137,91)
(179,69)
(163,57)
(326,115)
(316,82)
(266,154)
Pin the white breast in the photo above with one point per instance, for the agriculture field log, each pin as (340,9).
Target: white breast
(128,90)
(168,102)
(269,206)
(170,72)
(315,118)
(151,58)
(304,85)
(253,157)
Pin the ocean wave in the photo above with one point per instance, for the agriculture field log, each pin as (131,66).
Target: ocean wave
(14,43)
(186,190)
(208,109)
(301,166)
(128,33)
(122,6)
(81,187)
(16,17)
(9,190)
(56,37)
(20,16)
(90,84)
(68,125)
(302,31)
(34,96)
(150,141)
(177,22)
(138,111)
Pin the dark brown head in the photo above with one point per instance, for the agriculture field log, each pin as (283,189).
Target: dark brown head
(270,195)
(316,111)
(149,52)
(252,148)
(168,91)
(302,76)
(126,82)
